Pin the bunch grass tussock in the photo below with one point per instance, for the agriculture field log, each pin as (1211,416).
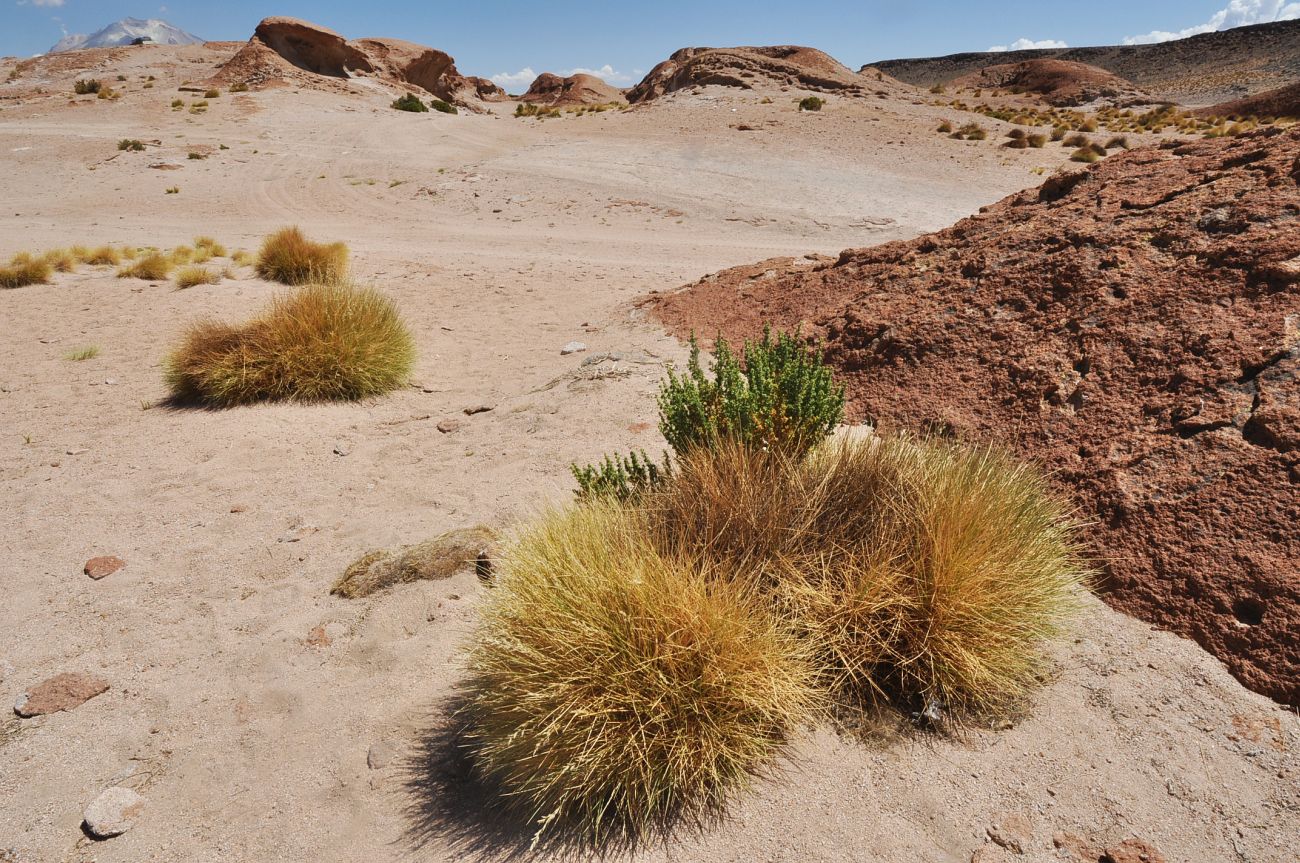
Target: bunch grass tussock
(432,560)
(613,688)
(925,572)
(104,256)
(153,267)
(318,343)
(287,256)
(24,271)
(194,275)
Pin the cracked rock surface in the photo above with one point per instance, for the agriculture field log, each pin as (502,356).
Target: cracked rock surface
(1133,327)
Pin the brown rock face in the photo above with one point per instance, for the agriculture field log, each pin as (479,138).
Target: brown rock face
(1282,102)
(284,49)
(1062,83)
(1134,328)
(60,692)
(785,65)
(579,89)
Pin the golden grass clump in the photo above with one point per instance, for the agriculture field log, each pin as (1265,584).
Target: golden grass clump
(612,687)
(25,270)
(241,258)
(153,267)
(287,256)
(192,276)
(319,343)
(211,247)
(104,256)
(61,260)
(923,571)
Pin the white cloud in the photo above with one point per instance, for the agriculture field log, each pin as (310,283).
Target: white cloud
(1028,44)
(40,2)
(514,80)
(607,72)
(1238,13)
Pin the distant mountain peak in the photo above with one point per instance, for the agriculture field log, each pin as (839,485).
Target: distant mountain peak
(125,32)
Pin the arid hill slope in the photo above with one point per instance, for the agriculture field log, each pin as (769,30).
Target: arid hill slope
(288,49)
(1201,70)
(1062,83)
(748,67)
(1282,102)
(580,89)
(1136,328)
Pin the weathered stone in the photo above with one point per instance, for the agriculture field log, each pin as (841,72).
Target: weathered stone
(113,812)
(102,567)
(1133,850)
(60,692)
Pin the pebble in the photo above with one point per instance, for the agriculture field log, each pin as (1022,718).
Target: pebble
(342,449)
(573,348)
(76,452)
(381,754)
(448,426)
(1133,850)
(102,567)
(477,409)
(60,692)
(298,532)
(1013,832)
(113,812)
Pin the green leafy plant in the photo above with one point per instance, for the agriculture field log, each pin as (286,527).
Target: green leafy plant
(130,144)
(622,477)
(85,86)
(410,102)
(776,395)
(811,103)
(443,107)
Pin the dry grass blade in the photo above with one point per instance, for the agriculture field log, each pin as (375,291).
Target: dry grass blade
(192,276)
(612,687)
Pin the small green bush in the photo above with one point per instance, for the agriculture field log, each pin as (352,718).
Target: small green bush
(945,128)
(443,107)
(776,395)
(130,144)
(85,86)
(1037,140)
(211,94)
(410,102)
(620,477)
(971,132)
(811,103)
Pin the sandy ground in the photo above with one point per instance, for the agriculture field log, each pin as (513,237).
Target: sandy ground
(501,240)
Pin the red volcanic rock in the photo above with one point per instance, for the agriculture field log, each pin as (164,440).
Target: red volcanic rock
(60,692)
(102,567)
(578,89)
(781,65)
(1282,102)
(1135,328)
(287,49)
(1060,82)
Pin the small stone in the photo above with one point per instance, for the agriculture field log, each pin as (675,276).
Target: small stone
(477,409)
(1076,848)
(1133,850)
(573,348)
(113,812)
(60,692)
(342,449)
(1013,832)
(318,637)
(110,382)
(239,507)
(77,452)
(448,426)
(298,532)
(102,567)
(381,755)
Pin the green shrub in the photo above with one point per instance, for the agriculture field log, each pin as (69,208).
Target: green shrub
(130,144)
(776,395)
(77,355)
(945,128)
(1037,140)
(971,132)
(177,104)
(443,107)
(620,477)
(86,86)
(211,94)
(811,103)
(410,102)
(319,343)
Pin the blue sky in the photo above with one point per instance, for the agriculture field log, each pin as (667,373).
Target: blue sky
(512,40)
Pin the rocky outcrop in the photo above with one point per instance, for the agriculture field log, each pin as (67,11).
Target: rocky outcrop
(780,65)
(1133,327)
(1061,83)
(578,89)
(1282,102)
(285,50)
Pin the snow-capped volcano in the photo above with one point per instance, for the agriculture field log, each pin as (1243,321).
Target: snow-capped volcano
(125,32)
